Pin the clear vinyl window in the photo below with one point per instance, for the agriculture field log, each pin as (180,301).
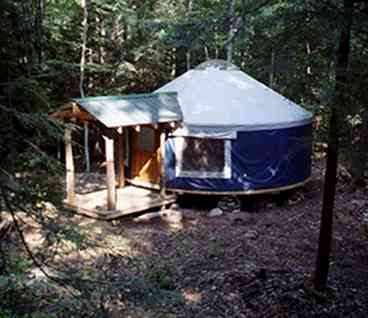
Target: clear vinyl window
(203,158)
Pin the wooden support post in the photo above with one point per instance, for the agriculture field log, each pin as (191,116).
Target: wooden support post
(121,157)
(162,163)
(69,163)
(110,173)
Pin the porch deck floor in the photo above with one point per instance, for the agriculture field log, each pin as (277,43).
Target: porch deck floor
(130,199)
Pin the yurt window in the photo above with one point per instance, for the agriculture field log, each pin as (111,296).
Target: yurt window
(203,158)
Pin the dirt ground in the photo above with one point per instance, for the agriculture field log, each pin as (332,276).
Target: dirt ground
(255,263)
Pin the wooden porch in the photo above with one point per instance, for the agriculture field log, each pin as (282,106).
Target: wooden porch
(118,117)
(130,199)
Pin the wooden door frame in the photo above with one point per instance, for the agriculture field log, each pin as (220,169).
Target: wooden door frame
(133,145)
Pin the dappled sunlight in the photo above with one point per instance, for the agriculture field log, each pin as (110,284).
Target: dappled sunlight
(191,296)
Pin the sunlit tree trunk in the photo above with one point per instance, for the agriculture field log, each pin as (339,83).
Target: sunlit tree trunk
(206,54)
(325,236)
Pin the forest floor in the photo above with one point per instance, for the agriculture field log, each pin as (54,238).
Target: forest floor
(239,264)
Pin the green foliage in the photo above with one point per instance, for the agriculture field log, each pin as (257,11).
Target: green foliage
(160,277)
(148,292)
(74,235)
(8,314)
(14,292)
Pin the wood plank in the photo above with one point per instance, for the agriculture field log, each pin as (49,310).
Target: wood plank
(247,192)
(135,200)
(69,162)
(92,213)
(73,111)
(121,157)
(143,184)
(109,215)
(110,173)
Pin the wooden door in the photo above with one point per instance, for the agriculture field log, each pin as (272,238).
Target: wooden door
(145,159)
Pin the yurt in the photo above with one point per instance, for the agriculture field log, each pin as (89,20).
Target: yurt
(238,136)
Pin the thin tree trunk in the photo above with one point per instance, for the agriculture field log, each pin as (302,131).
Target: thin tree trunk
(86,148)
(206,54)
(102,32)
(361,153)
(229,49)
(325,235)
(187,58)
(85,4)
(39,30)
(309,53)
(272,69)
(187,54)
(173,53)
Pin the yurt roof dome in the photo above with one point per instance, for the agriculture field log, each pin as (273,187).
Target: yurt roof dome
(217,103)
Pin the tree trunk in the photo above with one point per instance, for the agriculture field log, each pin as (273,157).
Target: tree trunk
(229,48)
(39,30)
(206,54)
(173,53)
(272,69)
(86,148)
(187,54)
(360,154)
(85,4)
(325,235)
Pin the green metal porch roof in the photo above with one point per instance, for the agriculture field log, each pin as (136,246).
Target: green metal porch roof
(129,110)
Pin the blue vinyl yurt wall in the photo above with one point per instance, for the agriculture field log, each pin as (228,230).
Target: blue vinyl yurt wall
(259,160)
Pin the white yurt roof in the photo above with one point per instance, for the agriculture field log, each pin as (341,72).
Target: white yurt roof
(217,103)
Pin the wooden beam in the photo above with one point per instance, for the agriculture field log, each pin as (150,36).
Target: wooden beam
(121,157)
(69,162)
(162,163)
(71,111)
(110,173)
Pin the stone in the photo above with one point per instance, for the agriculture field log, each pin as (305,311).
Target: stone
(174,206)
(358,203)
(344,174)
(228,204)
(171,216)
(215,212)
(115,222)
(252,235)
(241,219)
(147,217)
